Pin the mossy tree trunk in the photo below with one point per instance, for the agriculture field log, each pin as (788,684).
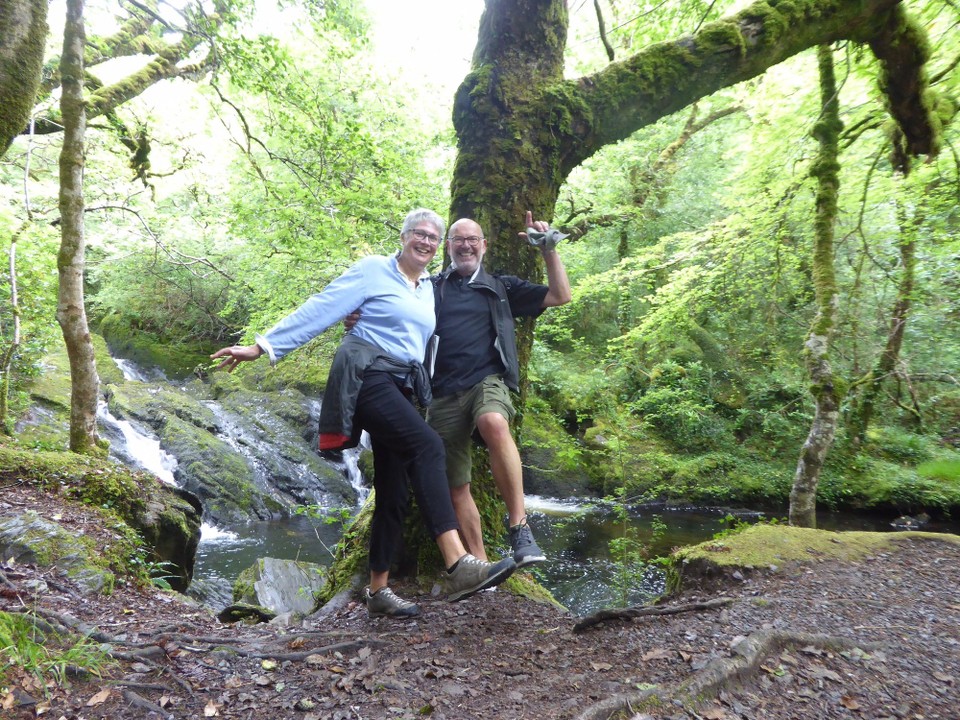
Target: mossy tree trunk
(522,128)
(826,394)
(23,30)
(71,313)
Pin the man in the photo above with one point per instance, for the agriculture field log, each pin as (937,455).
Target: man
(475,367)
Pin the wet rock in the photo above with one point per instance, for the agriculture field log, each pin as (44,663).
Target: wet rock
(281,585)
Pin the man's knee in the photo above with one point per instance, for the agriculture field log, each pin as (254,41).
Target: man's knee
(494,428)
(460,494)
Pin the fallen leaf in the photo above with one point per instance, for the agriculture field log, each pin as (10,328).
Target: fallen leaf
(297,642)
(849,703)
(601,666)
(943,677)
(100,698)
(269,664)
(657,654)
(211,710)
(713,714)
(8,701)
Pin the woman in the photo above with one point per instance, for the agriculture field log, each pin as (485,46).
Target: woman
(374,375)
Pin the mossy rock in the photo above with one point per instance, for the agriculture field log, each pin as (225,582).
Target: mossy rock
(144,511)
(212,470)
(176,360)
(773,548)
(46,424)
(153,405)
(29,538)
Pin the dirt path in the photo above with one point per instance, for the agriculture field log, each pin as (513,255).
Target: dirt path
(875,639)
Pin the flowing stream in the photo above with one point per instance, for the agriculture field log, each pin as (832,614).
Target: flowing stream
(575,534)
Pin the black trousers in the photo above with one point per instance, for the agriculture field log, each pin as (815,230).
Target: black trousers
(405,450)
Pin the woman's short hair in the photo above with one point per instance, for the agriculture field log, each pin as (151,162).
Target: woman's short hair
(415,217)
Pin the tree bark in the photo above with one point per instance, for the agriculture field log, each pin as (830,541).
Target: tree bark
(23,30)
(71,313)
(826,396)
(6,363)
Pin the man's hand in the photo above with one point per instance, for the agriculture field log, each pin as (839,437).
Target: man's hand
(236,354)
(539,234)
(350,320)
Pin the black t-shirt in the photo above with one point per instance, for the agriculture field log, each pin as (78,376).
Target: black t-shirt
(466,351)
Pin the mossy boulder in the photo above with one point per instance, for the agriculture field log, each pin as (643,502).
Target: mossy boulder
(175,360)
(216,473)
(281,586)
(773,548)
(166,521)
(29,538)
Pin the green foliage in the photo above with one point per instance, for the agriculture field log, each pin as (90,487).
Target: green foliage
(30,647)
(898,445)
(677,404)
(36,255)
(946,471)
(629,551)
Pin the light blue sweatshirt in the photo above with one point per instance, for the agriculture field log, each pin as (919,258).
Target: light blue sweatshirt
(395,316)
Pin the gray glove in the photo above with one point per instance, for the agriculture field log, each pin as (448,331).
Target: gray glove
(545,240)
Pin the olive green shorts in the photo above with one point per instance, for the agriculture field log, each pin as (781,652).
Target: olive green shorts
(454,417)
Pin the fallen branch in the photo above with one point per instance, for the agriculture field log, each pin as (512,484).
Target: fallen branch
(141,702)
(337,647)
(643,611)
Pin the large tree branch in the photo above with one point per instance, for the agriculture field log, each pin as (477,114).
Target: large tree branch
(137,36)
(610,105)
(165,65)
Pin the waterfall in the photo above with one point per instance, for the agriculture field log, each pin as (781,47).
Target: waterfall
(137,448)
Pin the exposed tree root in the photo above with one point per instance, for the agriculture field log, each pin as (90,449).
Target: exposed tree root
(719,674)
(643,610)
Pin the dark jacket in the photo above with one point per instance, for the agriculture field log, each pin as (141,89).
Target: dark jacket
(354,357)
(507,296)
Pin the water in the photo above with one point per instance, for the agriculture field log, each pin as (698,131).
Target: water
(575,535)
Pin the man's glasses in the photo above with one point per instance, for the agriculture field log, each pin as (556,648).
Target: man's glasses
(471,240)
(424,235)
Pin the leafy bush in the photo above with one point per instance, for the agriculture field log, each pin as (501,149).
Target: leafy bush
(898,445)
(677,405)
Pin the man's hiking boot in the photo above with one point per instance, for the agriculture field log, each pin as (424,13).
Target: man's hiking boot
(525,548)
(469,576)
(385,603)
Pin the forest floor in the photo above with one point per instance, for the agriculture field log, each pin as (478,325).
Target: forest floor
(877,638)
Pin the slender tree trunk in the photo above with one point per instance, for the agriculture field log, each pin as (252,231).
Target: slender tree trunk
(23,32)
(803,496)
(71,314)
(888,359)
(6,362)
